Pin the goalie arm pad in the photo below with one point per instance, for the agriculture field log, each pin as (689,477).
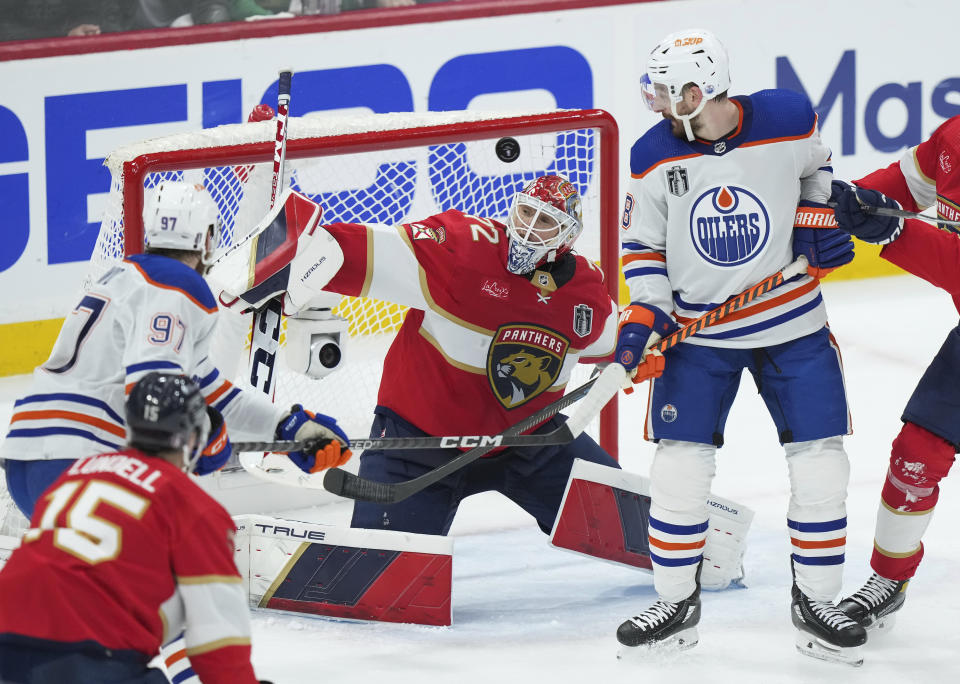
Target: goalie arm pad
(288,253)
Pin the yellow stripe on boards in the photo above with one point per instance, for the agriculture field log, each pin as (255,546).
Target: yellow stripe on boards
(27,345)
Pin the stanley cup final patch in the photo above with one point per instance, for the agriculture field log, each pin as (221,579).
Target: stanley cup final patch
(677,181)
(582,320)
(524,361)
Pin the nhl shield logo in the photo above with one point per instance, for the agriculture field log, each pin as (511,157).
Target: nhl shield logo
(523,362)
(677,181)
(582,320)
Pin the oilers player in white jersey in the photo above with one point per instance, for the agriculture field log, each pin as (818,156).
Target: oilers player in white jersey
(725,191)
(152,312)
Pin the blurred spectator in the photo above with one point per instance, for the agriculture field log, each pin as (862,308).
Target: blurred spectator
(160,13)
(25,19)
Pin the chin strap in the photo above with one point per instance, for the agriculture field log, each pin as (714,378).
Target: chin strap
(685,118)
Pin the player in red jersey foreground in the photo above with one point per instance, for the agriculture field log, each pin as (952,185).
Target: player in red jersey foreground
(928,175)
(124,552)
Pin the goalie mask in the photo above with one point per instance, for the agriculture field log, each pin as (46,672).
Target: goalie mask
(544,222)
(182,216)
(691,56)
(163,412)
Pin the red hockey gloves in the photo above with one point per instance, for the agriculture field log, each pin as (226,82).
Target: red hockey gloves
(816,236)
(331,442)
(853,211)
(217,451)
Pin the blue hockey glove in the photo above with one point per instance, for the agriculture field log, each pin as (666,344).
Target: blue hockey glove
(854,216)
(816,237)
(217,451)
(332,443)
(640,327)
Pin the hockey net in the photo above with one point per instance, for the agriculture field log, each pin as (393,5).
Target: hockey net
(378,168)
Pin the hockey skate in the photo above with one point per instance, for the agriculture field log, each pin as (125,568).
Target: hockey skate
(825,632)
(663,625)
(874,605)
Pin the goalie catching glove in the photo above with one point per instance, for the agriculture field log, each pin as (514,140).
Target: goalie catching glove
(332,443)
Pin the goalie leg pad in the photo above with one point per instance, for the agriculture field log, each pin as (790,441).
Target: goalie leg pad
(606,511)
(345,573)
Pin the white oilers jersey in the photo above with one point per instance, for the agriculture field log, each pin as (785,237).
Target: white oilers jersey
(705,221)
(150,313)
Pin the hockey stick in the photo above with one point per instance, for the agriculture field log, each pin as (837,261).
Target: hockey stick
(559,436)
(598,391)
(342,483)
(901,213)
(265,335)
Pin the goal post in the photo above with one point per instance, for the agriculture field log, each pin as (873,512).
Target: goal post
(379,168)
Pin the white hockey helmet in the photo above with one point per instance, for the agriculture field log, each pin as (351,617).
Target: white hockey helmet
(178,215)
(689,56)
(544,221)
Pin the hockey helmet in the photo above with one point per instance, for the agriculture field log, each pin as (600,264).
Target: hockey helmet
(545,220)
(163,412)
(689,56)
(178,215)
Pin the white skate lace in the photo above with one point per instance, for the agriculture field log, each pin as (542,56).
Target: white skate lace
(661,611)
(877,590)
(830,615)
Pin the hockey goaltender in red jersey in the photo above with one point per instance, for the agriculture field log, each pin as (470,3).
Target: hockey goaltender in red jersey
(123,553)
(500,313)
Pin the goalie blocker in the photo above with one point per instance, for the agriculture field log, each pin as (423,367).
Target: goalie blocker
(289,253)
(605,512)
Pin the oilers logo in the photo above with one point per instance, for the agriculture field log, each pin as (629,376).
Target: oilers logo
(729,225)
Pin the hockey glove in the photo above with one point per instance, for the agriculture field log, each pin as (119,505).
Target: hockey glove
(853,212)
(218,449)
(816,237)
(639,328)
(331,442)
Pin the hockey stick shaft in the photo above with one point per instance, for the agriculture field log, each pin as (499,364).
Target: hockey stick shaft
(265,335)
(902,213)
(559,436)
(342,483)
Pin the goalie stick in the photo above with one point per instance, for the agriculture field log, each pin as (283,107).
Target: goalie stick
(598,390)
(901,213)
(265,334)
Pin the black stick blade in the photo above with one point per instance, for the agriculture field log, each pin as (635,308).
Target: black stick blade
(340,482)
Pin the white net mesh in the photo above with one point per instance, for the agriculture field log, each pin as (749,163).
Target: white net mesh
(397,175)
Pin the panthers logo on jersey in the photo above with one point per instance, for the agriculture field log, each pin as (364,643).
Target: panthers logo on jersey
(523,361)
(729,225)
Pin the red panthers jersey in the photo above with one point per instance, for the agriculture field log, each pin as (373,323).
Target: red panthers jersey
(928,175)
(125,550)
(480,348)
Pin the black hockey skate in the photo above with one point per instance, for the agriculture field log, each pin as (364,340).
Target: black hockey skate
(824,631)
(663,624)
(876,602)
